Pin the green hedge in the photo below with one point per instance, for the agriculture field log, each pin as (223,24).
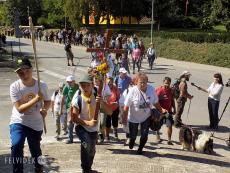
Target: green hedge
(196,37)
(217,54)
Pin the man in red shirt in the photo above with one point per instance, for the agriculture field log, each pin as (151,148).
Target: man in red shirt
(166,100)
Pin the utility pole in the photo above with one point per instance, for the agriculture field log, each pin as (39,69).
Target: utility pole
(152,22)
(28,11)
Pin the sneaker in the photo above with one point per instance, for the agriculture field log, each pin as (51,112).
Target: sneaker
(169,143)
(115,134)
(100,138)
(69,141)
(126,142)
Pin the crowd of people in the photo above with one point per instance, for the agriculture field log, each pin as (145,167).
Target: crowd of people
(127,100)
(134,48)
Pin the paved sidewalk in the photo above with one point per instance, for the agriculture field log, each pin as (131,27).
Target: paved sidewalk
(117,158)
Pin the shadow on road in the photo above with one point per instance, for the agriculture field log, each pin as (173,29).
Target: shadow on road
(221,129)
(190,158)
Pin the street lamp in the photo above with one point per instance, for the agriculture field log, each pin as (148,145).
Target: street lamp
(28,11)
(152,22)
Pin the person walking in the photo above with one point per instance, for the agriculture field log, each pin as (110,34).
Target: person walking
(183,96)
(136,57)
(123,80)
(57,109)
(26,120)
(166,99)
(140,99)
(151,55)
(113,102)
(69,53)
(68,93)
(83,116)
(214,93)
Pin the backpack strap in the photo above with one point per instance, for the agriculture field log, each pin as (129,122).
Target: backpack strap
(79,102)
(79,98)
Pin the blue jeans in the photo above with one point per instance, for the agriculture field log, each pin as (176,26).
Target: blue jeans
(70,131)
(88,149)
(18,134)
(213,108)
(133,130)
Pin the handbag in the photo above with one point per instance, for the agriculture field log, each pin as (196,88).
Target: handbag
(155,119)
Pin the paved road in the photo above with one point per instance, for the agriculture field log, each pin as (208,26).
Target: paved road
(53,69)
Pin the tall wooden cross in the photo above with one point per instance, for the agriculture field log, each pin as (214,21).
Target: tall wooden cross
(32,30)
(106,49)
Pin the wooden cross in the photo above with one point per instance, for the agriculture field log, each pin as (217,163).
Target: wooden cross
(105,50)
(32,27)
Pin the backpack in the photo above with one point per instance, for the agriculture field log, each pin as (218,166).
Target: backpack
(175,88)
(79,98)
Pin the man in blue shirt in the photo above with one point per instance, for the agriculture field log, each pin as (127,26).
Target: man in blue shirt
(123,80)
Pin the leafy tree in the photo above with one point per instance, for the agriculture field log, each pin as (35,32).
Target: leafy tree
(35,10)
(53,13)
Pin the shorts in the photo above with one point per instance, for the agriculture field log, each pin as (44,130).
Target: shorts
(168,120)
(102,122)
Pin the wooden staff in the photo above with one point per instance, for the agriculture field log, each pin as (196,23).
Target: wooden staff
(31,26)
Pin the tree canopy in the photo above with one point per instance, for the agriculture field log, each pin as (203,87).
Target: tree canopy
(170,13)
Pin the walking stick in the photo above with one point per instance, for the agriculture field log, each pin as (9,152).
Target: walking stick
(190,101)
(31,26)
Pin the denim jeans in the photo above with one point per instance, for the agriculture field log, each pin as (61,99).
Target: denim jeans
(88,149)
(70,125)
(213,108)
(133,130)
(18,134)
(70,131)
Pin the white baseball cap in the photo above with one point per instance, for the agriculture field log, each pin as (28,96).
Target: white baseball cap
(122,70)
(70,78)
(186,73)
